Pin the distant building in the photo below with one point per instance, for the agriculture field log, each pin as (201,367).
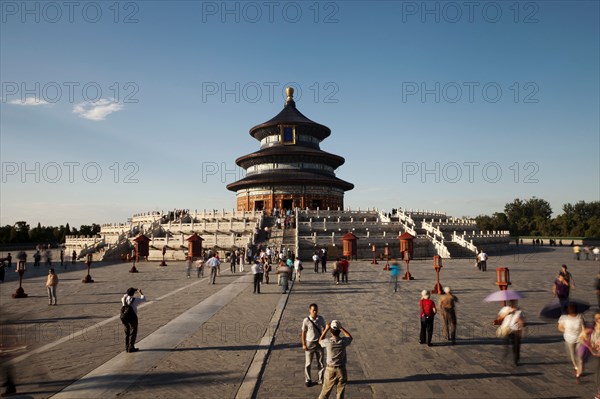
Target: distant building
(290,170)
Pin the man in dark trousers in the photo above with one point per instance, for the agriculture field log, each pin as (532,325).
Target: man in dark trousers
(131,322)
(323,260)
(447,307)
(312,328)
(428,311)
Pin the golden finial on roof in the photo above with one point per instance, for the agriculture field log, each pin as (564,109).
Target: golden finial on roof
(290,94)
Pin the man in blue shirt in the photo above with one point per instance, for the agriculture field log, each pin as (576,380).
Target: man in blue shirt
(394,272)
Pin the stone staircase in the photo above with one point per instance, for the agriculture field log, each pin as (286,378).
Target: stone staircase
(458,251)
(289,239)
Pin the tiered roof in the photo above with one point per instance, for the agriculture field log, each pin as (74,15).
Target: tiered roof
(301,152)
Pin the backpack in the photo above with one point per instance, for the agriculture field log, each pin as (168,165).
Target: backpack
(127,313)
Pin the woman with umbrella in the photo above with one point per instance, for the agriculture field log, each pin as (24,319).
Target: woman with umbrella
(571,325)
(511,320)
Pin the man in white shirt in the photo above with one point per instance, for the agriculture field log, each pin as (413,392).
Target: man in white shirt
(482,259)
(131,323)
(214,264)
(315,259)
(312,328)
(256,274)
(298,268)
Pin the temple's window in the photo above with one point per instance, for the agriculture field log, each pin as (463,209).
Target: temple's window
(287,134)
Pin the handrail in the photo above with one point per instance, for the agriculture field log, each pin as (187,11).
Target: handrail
(460,240)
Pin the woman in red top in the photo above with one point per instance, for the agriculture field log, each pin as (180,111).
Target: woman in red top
(428,311)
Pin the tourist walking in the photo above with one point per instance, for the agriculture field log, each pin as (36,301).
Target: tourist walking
(315,259)
(219,265)
(73,257)
(512,322)
(344,266)
(447,307)
(36,258)
(427,311)
(394,273)
(335,374)
(482,260)
(577,251)
(313,327)
(256,274)
(51,284)
(269,254)
(62,257)
(336,271)
(572,325)
(188,266)
(200,267)
(266,270)
(241,259)
(129,318)
(213,262)
(324,260)
(561,290)
(285,273)
(593,345)
(48,258)
(298,268)
(568,277)
(232,261)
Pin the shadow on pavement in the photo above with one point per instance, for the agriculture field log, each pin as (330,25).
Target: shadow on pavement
(441,377)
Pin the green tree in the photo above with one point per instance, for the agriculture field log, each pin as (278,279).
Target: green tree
(19,233)
(5,234)
(528,217)
(498,221)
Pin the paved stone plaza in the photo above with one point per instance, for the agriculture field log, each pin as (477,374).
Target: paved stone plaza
(210,341)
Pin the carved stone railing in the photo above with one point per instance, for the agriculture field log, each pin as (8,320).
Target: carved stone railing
(436,236)
(460,240)
(384,218)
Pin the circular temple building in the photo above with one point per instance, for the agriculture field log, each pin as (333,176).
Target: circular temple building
(290,170)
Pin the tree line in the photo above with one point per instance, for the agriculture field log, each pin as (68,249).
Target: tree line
(21,233)
(533,217)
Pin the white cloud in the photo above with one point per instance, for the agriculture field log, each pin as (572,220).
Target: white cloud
(97,111)
(29,101)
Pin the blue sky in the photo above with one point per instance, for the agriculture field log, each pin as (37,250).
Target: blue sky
(433,105)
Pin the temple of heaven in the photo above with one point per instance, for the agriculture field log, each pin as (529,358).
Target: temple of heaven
(290,170)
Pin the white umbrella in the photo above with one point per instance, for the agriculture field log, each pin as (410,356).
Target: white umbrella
(504,295)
